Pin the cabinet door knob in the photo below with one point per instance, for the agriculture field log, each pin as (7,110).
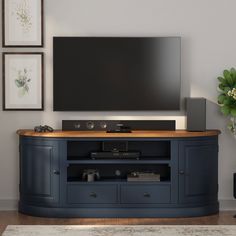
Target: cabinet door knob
(146,195)
(181,172)
(56,172)
(93,195)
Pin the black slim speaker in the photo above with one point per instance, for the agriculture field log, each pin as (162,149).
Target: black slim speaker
(111,125)
(235,185)
(196,114)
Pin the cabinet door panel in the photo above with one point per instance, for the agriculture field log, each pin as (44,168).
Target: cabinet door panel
(38,163)
(198,172)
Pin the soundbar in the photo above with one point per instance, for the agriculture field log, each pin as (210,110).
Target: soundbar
(115,155)
(117,125)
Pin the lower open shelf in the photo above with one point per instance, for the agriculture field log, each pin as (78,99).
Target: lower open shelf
(118,173)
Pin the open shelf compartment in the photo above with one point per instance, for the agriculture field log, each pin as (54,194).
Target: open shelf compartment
(149,150)
(116,172)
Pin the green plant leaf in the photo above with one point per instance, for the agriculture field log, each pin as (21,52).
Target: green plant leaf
(233,73)
(226,89)
(221,87)
(230,80)
(222,80)
(233,112)
(227,101)
(226,73)
(228,77)
(232,70)
(221,98)
(225,110)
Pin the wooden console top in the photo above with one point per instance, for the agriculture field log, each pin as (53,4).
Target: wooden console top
(103,134)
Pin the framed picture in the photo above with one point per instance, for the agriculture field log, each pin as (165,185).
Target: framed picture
(22,23)
(22,81)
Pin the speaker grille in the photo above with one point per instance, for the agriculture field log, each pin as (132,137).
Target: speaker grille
(196,114)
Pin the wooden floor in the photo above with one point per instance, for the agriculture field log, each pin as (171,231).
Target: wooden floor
(15,218)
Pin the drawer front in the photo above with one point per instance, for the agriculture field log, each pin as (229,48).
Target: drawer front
(81,193)
(140,193)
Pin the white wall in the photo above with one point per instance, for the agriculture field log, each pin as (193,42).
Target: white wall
(208,32)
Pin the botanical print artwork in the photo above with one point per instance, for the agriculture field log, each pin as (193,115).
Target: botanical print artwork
(22,23)
(23,15)
(22,82)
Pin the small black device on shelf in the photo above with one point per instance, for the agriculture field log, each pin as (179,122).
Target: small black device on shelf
(43,128)
(120,129)
(115,155)
(115,150)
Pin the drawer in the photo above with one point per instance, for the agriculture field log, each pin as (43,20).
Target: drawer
(148,193)
(89,193)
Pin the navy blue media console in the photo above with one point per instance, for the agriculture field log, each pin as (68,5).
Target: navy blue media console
(52,182)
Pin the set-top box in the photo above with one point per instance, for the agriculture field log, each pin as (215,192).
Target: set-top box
(115,155)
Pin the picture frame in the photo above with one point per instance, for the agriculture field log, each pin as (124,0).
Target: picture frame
(22,23)
(23,81)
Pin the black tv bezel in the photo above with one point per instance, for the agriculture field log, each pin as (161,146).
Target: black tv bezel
(122,110)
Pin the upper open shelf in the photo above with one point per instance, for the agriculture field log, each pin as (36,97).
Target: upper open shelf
(149,150)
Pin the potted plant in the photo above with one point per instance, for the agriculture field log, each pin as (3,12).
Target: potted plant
(227,97)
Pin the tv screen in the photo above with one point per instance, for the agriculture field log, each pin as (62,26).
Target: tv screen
(116,73)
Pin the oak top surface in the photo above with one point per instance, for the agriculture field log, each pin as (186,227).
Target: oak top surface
(103,134)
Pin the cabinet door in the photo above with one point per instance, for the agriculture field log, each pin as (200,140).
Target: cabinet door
(198,171)
(39,172)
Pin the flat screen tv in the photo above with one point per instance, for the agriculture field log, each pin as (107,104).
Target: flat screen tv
(116,73)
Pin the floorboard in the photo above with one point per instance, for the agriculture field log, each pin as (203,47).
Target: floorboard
(15,218)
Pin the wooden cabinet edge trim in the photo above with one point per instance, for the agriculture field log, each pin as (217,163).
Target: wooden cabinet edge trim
(103,134)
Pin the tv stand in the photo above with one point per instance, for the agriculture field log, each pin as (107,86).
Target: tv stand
(53,167)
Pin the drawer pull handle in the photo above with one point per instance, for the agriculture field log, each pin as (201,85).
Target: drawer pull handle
(146,195)
(181,172)
(93,195)
(56,172)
